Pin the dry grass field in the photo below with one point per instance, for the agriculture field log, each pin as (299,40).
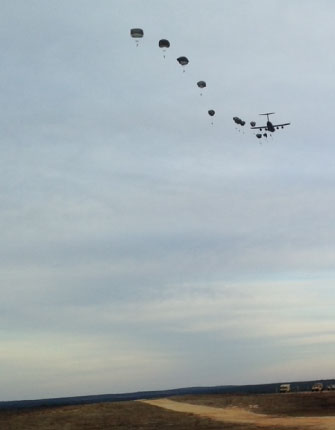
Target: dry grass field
(288,404)
(231,412)
(108,416)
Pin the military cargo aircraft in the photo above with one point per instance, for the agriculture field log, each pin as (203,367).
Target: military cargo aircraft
(269,126)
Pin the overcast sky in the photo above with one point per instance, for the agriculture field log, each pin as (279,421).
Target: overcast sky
(142,247)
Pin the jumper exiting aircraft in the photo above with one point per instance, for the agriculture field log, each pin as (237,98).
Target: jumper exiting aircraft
(269,126)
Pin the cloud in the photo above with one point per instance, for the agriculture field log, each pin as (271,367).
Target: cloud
(126,215)
(42,365)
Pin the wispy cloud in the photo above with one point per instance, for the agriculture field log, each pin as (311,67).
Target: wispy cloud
(132,230)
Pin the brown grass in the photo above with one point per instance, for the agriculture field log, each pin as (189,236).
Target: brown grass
(288,404)
(136,415)
(108,416)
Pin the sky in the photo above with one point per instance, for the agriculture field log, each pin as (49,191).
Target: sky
(143,248)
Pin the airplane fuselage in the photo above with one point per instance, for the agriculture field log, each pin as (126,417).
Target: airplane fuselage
(270,127)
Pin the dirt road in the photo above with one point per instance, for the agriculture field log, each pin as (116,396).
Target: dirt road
(242,416)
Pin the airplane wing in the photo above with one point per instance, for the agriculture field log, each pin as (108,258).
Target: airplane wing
(275,125)
(281,125)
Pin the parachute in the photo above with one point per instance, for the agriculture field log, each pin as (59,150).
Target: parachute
(238,120)
(211,113)
(201,84)
(252,123)
(136,33)
(183,61)
(259,135)
(164,44)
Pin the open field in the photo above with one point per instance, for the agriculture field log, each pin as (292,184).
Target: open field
(291,404)
(245,415)
(108,416)
(298,411)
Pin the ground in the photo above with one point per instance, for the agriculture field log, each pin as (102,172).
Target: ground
(292,404)
(299,411)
